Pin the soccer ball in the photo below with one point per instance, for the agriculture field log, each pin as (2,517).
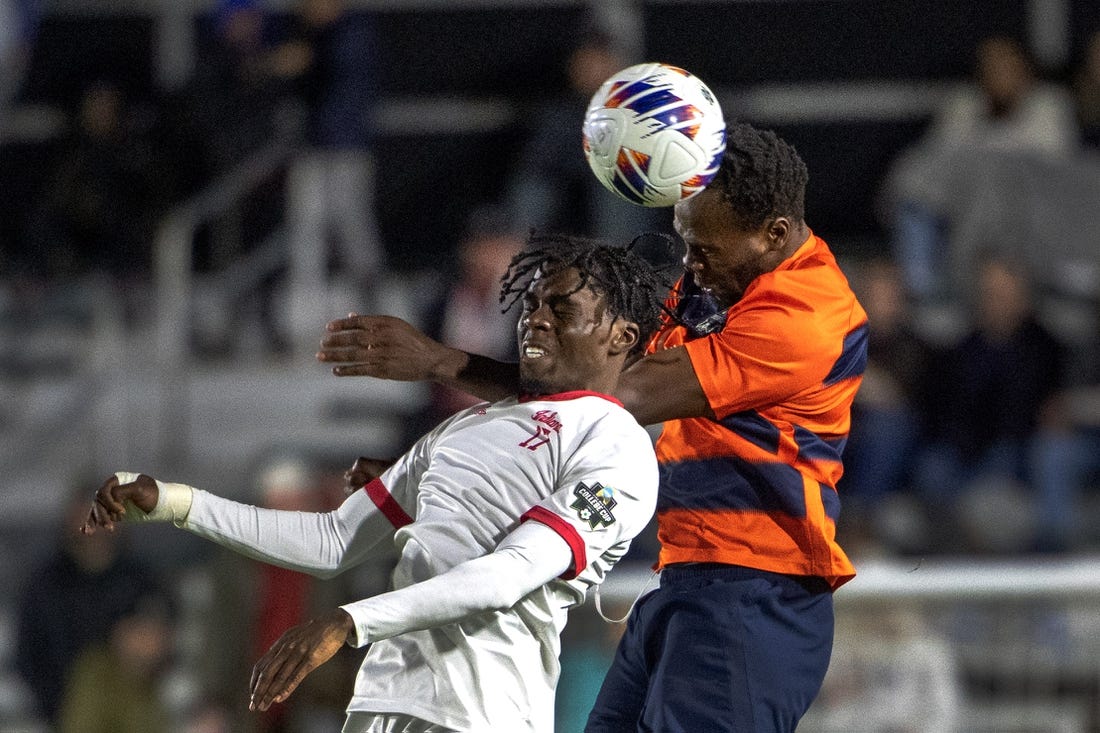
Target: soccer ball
(654,134)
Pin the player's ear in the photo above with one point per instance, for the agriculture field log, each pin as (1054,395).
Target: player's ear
(624,336)
(777,230)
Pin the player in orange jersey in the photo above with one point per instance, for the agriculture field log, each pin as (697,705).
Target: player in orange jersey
(753,378)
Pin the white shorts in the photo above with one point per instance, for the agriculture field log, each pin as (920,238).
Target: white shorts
(390,723)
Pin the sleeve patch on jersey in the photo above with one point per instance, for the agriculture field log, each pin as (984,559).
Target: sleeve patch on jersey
(594,504)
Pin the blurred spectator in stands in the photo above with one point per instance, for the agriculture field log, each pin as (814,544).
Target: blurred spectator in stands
(233,107)
(986,396)
(11,54)
(469,308)
(330,59)
(229,107)
(1065,467)
(207,718)
(893,671)
(886,416)
(1066,460)
(18,21)
(72,601)
(1086,90)
(115,684)
(100,207)
(1006,110)
(553,189)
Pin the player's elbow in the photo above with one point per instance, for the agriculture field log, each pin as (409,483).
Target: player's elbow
(334,553)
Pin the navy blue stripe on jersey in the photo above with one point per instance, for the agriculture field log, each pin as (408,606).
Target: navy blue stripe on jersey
(812,447)
(830,500)
(755,428)
(729,482)
(692,485)
(853,357)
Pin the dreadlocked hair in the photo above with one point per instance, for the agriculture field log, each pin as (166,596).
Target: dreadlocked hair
(761,176)
(633,287)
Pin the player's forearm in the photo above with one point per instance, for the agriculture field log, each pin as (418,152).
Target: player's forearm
(662,386)
(493,582)
(321,544)
(478,375)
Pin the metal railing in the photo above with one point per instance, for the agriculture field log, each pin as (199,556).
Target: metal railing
(173,279)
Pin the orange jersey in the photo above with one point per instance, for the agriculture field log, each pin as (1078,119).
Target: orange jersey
(756,486)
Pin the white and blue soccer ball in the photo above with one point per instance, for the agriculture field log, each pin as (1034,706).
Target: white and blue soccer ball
(654,134)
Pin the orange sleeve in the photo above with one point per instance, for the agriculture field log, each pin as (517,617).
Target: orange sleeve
(782,338)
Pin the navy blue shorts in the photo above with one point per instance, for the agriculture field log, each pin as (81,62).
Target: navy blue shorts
(718,649)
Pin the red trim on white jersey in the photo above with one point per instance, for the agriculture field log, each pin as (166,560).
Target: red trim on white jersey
(386,504)
(567,532)
(562,396)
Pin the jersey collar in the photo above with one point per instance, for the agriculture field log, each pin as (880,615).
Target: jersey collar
(563,396)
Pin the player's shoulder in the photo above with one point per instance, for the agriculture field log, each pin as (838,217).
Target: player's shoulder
(586,412)
(596,406)
(810,281)
(813,262)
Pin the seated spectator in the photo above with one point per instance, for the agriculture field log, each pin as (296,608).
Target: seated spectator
(470,310)
(886,414)
(100,207)
(1065,465)
(115,684)
(230,103)
(895,670)
(985,399)
(72,602)
(1006,111)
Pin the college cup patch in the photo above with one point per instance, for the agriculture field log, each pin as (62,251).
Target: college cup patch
(594,504)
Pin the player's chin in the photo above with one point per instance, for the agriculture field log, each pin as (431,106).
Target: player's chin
(533,383)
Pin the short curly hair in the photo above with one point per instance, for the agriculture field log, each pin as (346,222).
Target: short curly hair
(635,289)
(761,176)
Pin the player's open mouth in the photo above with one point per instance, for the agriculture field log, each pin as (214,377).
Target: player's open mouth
(533,352)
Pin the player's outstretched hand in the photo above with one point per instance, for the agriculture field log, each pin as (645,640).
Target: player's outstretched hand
(384,347)
(363,471)
(111,498)
(298,652)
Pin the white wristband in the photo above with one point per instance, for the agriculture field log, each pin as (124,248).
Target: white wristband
(173,501)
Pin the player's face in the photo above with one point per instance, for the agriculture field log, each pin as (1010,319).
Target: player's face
(565,337)
(721,256)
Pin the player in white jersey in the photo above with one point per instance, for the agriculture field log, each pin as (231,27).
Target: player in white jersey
(503,516)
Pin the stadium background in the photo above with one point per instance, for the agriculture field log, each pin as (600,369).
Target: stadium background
(87,389)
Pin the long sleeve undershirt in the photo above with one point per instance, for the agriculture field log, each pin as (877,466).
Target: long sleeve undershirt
(529,557)
(325,544)
(321,544)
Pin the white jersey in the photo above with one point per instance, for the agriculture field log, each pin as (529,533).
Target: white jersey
(576,463)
